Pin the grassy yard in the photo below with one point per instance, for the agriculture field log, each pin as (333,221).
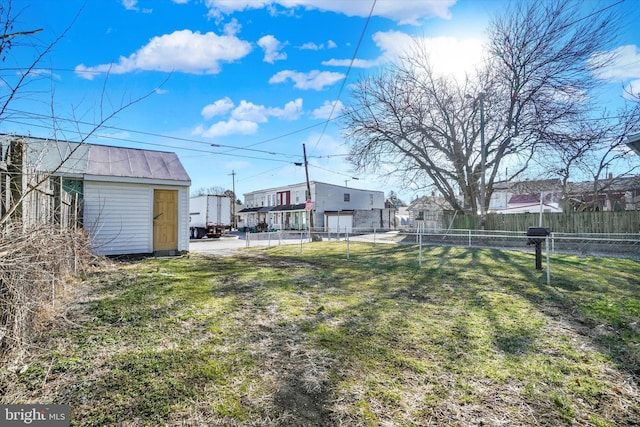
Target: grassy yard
(283,337)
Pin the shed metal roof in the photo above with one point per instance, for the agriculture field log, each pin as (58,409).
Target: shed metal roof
(133,163)
(101,160)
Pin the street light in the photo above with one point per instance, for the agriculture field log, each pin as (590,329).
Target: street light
(347,180)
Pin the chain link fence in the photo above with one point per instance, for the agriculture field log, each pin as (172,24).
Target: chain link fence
(583,244)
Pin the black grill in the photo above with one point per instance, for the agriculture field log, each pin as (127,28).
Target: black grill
(537,235)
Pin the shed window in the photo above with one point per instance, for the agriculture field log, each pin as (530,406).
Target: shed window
(347,197)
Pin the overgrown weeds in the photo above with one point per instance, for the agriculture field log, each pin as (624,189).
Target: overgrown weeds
(35,264)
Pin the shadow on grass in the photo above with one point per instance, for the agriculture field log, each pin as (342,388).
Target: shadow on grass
(277,338)
(190,328)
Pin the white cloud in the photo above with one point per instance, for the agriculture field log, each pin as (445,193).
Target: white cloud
(260,114)
(271,47)
(183,51)
(232,28)
(634,88)
(625,66)
(133,5)
(226,128)
(250,112)
(324,112)
(402,11)
(357,63)
(312,46)
(245,118)
(130,4)
(218,108)
(315,79)
(448,55)
(291,111)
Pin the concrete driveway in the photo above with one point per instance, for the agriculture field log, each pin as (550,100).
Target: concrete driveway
(230,243)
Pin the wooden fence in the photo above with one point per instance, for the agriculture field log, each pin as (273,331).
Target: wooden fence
(575,222)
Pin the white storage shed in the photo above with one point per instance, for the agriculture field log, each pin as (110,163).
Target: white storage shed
(130,201)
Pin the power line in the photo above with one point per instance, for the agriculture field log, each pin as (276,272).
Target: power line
(176,138)
(344,81)
(160,145)
(247,148)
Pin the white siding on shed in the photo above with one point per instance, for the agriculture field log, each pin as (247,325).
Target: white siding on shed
(119,217)
(116,216)
(183,212)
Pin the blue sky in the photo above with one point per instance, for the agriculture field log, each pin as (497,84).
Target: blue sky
(241,85)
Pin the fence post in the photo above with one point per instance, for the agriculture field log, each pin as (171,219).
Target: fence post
(546,242)
(420,249)
(469,237)
(247,237)
(346,235)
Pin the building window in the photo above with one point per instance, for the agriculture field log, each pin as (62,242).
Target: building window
(347,197)
(371,199)
(420,216)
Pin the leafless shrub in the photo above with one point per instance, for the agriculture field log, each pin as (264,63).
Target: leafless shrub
(35,264)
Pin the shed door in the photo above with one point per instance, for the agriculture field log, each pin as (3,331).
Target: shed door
(165,220)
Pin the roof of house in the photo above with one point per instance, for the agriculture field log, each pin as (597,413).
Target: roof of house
(525,198)
(633,141)
(429,203)
(292,207)
(631,183)
(312,184)
(534,198)
(247,210)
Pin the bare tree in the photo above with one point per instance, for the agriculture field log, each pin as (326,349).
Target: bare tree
(596,149)
(462,137)
(16,85)
(35,260)
(214,189)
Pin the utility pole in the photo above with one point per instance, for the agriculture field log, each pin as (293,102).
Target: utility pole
(306,171)
(233,201)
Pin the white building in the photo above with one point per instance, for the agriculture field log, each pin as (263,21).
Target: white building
(527,197)
(426,212)
(334,207)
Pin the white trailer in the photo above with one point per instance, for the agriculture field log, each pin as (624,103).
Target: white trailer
(209,215)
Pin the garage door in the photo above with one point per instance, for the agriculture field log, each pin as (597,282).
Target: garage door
(340,223)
